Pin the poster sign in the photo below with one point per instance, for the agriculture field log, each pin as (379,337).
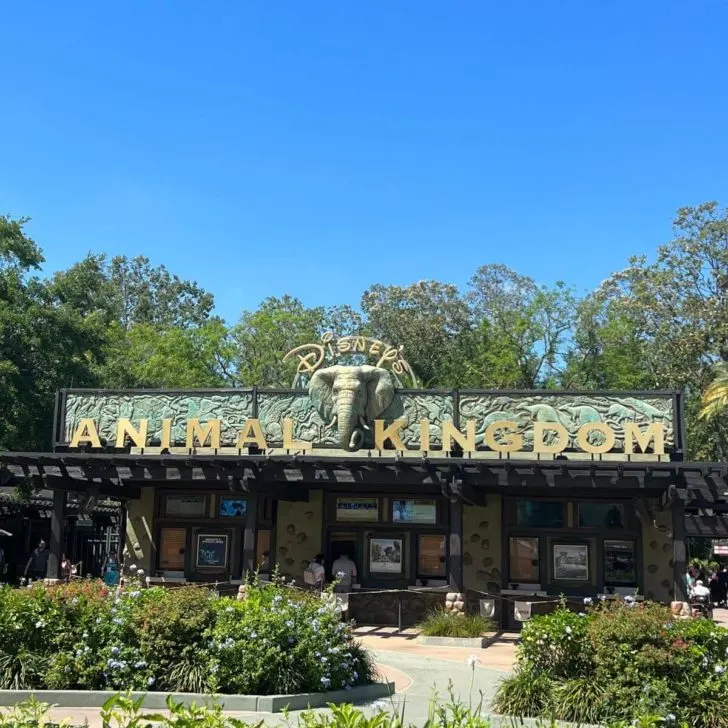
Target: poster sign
(212,551)
(357,509)
(571,562)
(385,555)
(186,505)
(414,511)
(233,507)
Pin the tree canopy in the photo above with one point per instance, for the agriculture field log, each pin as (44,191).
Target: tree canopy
(660,323)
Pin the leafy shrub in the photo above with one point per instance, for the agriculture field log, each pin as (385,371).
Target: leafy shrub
(525,694)
(441,623)
(620,662)
(82,636)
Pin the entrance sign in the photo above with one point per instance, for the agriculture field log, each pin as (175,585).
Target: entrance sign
(547,438)
(414,511)
(350,394)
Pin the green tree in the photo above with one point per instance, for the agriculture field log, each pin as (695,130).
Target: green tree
(44,343)
(427,319)
(678,306)
(531,323)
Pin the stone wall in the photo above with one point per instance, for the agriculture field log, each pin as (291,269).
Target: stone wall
(657,563)
(482,557)
(139,543)
(298,535)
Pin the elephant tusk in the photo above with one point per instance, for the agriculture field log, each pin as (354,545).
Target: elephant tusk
(333,421)
(363,423)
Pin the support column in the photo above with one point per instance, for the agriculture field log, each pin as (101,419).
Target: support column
(56,544)
(455,600)
(679,546)
(251,527)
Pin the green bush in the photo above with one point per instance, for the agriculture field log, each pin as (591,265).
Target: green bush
(83,636)
(442,623)
(619,662)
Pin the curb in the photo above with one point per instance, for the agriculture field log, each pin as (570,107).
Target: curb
(242,703)
(477,642)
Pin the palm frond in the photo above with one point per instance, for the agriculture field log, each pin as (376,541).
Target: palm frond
(715,397)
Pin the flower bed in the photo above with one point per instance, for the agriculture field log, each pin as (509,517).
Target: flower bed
(83,636)
(620,662)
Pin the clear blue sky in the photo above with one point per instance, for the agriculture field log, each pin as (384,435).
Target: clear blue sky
(265,147)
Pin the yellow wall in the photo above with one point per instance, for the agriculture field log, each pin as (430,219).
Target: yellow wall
(482,546)
(657,560)
(298,534)
(139,543)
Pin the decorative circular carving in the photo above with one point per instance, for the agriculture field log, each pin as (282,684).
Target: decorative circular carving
(665,583)
(652,568)
(474,538)
(495,574)
(308,515)
(290,528)
(485,544)
(467,559)
(300,537)
(487,561)
(282,550)
(653,545)
(483,526)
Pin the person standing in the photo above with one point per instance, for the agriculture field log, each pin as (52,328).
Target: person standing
(344,571)
(37,565)
(111,569)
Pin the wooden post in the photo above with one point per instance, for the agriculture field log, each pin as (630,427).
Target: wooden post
(56,544)
(455,577)
(679,550)
(251,526)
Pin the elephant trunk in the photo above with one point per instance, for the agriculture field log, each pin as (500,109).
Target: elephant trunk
(346,419)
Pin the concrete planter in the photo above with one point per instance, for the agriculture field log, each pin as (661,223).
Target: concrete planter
(473,642)
(248,703)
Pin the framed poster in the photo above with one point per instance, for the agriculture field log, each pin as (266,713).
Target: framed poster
(414,511)
(571,562)
(357,509)
(233,507)
(619,562)
(212,551)
(385,555)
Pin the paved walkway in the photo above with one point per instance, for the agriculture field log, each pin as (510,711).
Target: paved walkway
(416,670)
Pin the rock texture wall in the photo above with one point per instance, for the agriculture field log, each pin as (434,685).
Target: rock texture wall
(139,544)
(298,535)
(482,557)
(657,549)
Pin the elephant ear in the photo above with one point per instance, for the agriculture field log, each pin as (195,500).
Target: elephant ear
(320,390)
(380,391)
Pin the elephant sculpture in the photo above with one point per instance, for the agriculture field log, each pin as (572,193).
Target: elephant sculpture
(352,397)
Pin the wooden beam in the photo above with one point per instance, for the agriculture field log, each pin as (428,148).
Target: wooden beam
(249,534)
(56,544)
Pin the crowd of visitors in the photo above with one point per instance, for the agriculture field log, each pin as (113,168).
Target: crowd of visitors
(713,585)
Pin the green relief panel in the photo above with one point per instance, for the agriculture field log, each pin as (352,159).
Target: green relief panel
(274,407)
(571,411)
(435,408)
(106,409)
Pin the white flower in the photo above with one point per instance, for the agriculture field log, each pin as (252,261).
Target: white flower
(38,624)
(719,669)
(568,630)
(380,706)
(472,661)
(140,572)
(133,567)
